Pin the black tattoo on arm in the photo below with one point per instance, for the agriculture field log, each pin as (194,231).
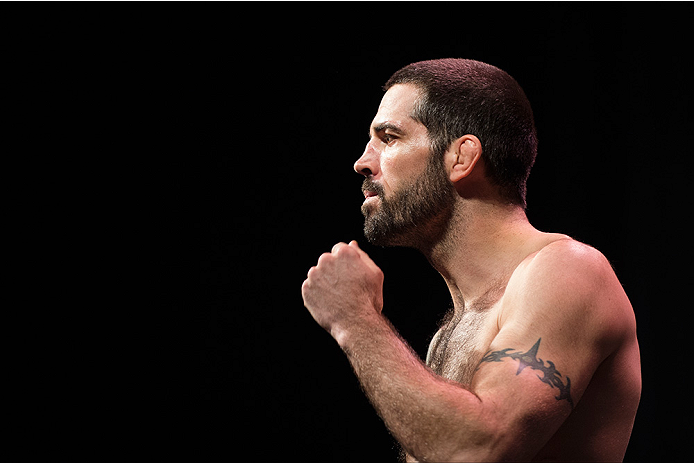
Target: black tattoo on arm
(529,359)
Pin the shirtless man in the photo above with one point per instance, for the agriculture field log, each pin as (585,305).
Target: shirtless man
(538,359)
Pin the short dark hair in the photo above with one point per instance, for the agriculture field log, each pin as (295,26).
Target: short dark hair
(462,96)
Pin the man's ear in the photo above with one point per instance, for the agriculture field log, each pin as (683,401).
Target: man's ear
(462,157)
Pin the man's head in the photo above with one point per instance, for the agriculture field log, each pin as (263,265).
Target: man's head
(438,119)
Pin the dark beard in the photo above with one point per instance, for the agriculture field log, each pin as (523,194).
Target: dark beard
(415,216)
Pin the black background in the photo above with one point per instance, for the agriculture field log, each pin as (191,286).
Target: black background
(253,118)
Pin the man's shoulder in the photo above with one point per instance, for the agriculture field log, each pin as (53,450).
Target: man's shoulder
(569,283)
(561,265)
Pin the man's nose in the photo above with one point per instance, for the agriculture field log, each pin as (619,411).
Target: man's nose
(367,164)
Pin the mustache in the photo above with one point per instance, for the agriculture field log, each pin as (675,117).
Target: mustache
(370,185)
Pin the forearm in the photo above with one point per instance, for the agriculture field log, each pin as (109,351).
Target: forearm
(432,418)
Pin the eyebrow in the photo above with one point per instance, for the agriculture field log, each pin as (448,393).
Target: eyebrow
(387,126)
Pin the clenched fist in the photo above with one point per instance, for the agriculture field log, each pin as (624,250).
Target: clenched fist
(344,289)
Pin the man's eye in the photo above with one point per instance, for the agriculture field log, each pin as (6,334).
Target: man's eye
(387,139)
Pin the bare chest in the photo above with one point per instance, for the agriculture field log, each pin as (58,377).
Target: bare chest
(458,347)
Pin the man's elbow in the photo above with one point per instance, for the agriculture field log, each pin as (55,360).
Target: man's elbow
(471,445)
(453,453)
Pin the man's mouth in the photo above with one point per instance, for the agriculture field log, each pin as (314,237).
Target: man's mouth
(371,189)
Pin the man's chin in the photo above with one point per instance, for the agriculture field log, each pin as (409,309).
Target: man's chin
(377,239)
(385,241)
(370,206)
(371,227)
(377,233)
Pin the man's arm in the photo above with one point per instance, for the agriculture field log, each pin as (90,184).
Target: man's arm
(508,411)
(430,416)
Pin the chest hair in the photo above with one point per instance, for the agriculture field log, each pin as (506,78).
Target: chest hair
(458,347)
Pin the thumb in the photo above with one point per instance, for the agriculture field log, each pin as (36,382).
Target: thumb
(364,255)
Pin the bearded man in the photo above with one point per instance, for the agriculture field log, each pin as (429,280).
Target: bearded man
(538,359)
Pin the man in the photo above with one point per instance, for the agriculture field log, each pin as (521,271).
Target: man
(538,359)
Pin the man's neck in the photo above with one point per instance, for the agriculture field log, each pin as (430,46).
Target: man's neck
(481,248)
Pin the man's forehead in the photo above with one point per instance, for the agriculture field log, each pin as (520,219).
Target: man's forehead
(396,107)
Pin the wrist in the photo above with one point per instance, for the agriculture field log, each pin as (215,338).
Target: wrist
(348,335)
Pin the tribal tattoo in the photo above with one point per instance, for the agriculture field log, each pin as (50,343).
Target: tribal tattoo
(529,359)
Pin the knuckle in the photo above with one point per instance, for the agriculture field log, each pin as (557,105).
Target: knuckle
(343,250)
